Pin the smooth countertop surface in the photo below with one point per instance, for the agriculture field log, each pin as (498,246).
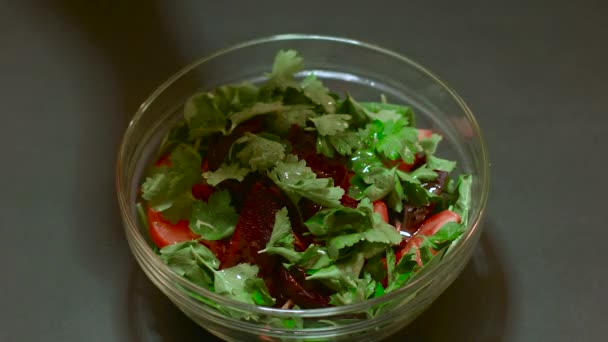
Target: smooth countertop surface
(533,72)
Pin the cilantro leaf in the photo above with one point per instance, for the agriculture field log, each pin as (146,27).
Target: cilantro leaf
(463,203)
(380,233)
(226,171)
(413,190)
(282,241)
(177,135)
(439,164)
(364,289)
(396,139)
(167,185)
(191,260)
(373,179)
(259,108)
(216,219)
(203,116)
(352,107)
(259,153)
(330,124)
(181,207)
(241,283)
(404,111)
(429,145)
(318,94)
(342,220)
(298,180)
(341,275)
(424,174)
(233,98)
(286,65)
(449,232)
(315,257)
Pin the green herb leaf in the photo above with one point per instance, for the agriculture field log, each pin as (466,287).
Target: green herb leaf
(365,288)
(463,203)
(258,152)
(342,274)
(166,186)
(191,260)
(298,180)
(216,219)
(203,116)
(423,174)
(375,179)
(330,124)
(318,94)
(439,164)
(282,241)
(286,65)
(339,221)
(233,98)
(381,233)
(352,107)
(240,283)
(396,139)
(259,108)
(429,145)
(226,171)
(404,111)
(315,257)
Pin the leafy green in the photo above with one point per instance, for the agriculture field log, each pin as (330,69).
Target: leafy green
(282,241)
(365,288)
(403,111)
(234,98)
(330,124)
(226,171)
(318,94)
(192,261)
(439,164)
(372,178)
(429,145)
(259,108)
(380,233)
(342,142)
(315,257)
(352,107)
(341,220)
(394,139)
(167,186)
(216,219)
(341,275)
(298,181)
(241,283)
(286,65)
(258,152)
(463,203)
(203,116)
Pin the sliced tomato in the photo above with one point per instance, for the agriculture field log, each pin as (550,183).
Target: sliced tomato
(424,133)
(380,208)
(164,233)
(428,228)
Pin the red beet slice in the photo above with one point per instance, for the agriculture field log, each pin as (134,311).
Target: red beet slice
(254,228)
(308,294)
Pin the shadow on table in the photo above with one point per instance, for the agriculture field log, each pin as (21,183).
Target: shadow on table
(474,308)
(154,318)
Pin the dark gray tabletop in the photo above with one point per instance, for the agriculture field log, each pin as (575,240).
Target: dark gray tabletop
(534,72)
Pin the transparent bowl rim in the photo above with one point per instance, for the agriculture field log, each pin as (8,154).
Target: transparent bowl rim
(132,225)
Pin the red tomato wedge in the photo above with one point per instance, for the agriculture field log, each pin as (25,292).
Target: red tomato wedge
(380,208)
(164,233)
(424,133)
(429,227)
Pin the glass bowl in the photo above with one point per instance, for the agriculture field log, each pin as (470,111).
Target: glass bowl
(365,71)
